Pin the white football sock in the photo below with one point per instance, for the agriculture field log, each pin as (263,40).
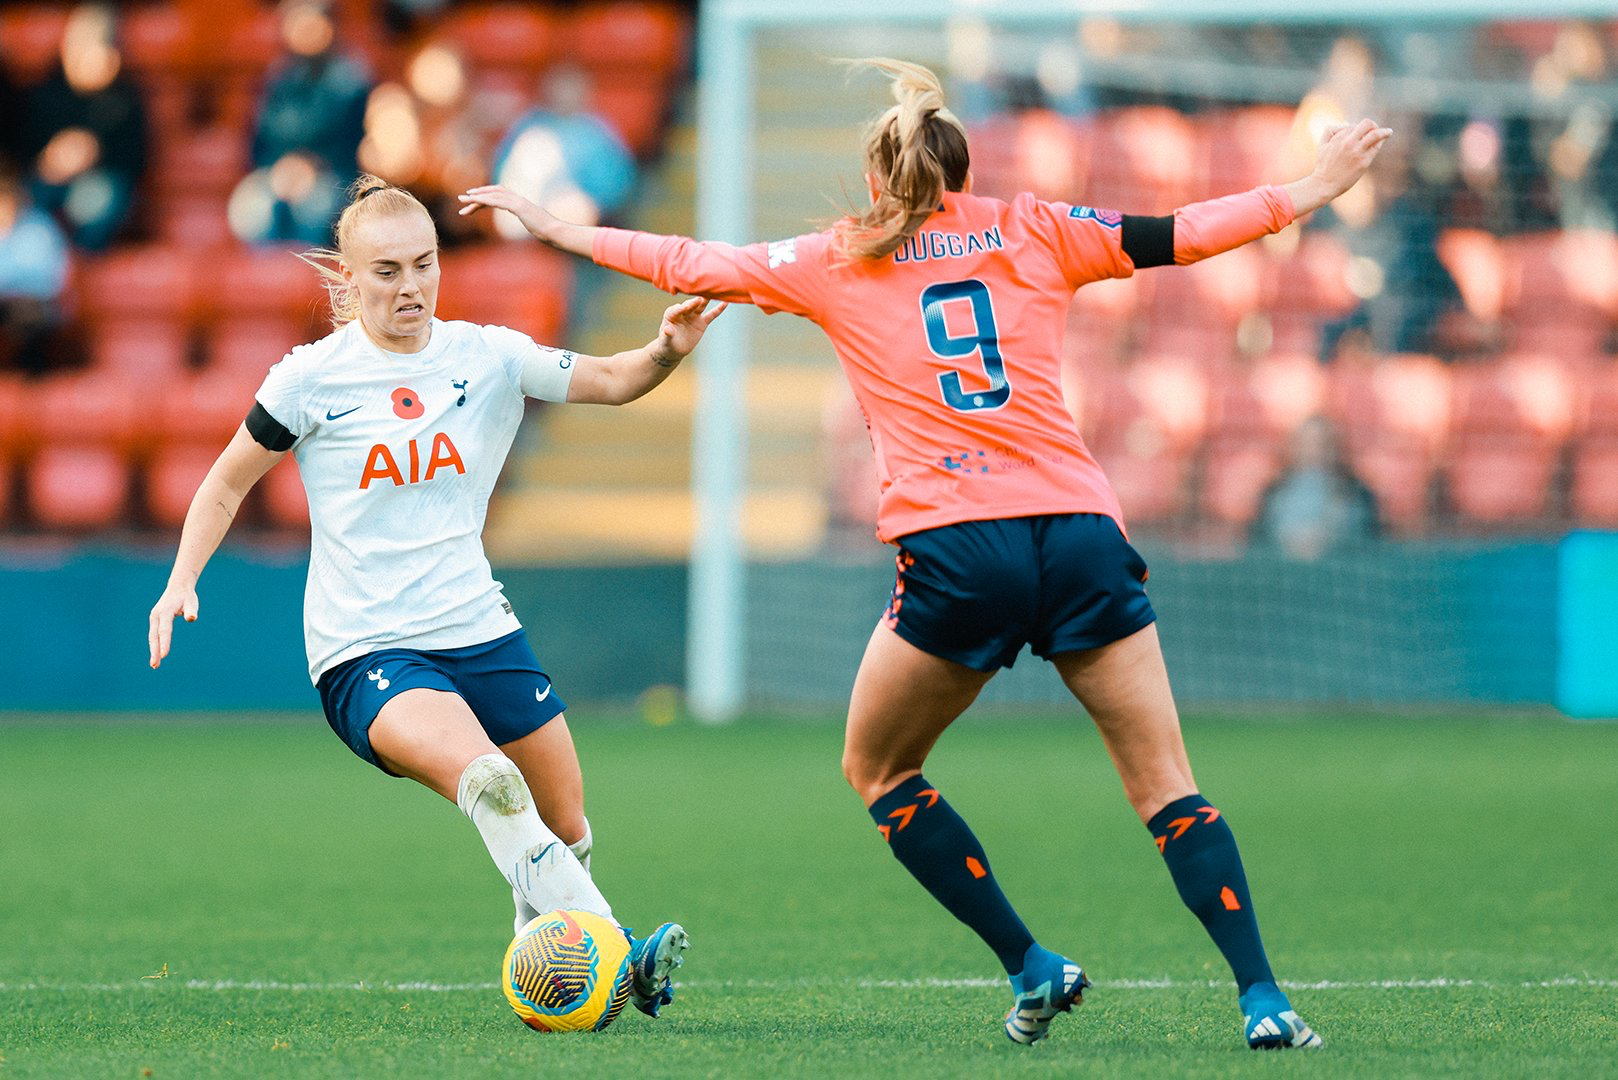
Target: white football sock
(540,868)
(581,851)
(581,847)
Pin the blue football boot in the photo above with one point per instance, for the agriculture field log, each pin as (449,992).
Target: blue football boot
(1270,1023)
(652,960)
(1049,983)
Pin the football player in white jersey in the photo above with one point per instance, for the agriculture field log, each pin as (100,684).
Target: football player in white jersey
(400,424)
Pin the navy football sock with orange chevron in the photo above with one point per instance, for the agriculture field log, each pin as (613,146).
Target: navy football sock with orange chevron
(1201,854)
(939,850)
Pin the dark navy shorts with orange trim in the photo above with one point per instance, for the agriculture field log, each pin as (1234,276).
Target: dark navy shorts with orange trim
(500,681)
(976,592)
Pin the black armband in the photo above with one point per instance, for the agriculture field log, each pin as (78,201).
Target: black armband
(267,431)
(1149,241)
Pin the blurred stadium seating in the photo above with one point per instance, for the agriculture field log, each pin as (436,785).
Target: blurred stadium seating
(1189,384)
(181,321)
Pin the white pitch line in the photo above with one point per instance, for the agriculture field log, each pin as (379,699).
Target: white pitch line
(1564,982)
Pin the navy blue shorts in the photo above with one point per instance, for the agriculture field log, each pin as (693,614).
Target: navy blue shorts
(499,680)
(976,592)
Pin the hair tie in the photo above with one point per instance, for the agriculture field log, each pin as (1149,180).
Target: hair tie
(369,192)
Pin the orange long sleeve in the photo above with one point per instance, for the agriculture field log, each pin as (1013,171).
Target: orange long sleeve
(1207,228)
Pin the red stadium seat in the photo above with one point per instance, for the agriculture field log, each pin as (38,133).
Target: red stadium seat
(1163,399)
(197,222)
(1474,259)
(1599,406)
(1149,476)
(1290,388)
(1593,491)
(1050,155)
(1561,290)
(206,408)
(266,281)
(92,409)
(1235,477)
(1406,397)
(157,37)
(31,38)
(510,35)
(1098,321)
(245,44)
(1522,396)
(1145,160)
(144,349)
(249,345)
(78,487)
(1196,310)
(627,34)
(1399,472)
(1310,288)
(1501,480)
(209,162)
(515,285)
(14,409)
(172,478)
(1247,147)
(284,497)
(635,108)
(154,281)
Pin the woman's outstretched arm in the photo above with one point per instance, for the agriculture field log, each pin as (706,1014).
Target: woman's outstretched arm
(212,511)
(675,264)
(1203,229)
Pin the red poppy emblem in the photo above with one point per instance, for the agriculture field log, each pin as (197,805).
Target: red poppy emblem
(406,403)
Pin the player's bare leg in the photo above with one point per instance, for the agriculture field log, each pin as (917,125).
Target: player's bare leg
(550,765)
(431,736)
(1125,688)
(903,700)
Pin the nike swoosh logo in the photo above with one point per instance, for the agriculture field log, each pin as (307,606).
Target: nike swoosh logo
(542,851)
(541,697)
(338,416)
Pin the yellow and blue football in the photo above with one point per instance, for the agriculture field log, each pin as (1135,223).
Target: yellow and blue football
(568,971)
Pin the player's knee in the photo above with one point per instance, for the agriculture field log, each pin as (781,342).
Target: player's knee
(496,778)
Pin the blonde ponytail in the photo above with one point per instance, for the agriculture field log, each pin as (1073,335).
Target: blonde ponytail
(916,151)
(368,197)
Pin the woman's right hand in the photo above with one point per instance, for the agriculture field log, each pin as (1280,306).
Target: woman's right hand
(1345,153)
(534,218)
(178,600)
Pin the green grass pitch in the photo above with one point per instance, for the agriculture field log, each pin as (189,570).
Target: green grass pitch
(1442,888)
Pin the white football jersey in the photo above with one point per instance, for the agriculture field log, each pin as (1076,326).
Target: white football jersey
(398,454)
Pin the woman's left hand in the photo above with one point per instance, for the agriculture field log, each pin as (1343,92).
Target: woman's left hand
(682,327)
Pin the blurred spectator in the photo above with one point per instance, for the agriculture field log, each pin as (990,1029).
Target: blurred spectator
(1391,230)
(84,129)
(434,132)
(310,124)
(1317,505)
(564,157)
(33,271)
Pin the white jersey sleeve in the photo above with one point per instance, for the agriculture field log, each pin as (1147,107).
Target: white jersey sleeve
(282,395)
(535,370)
